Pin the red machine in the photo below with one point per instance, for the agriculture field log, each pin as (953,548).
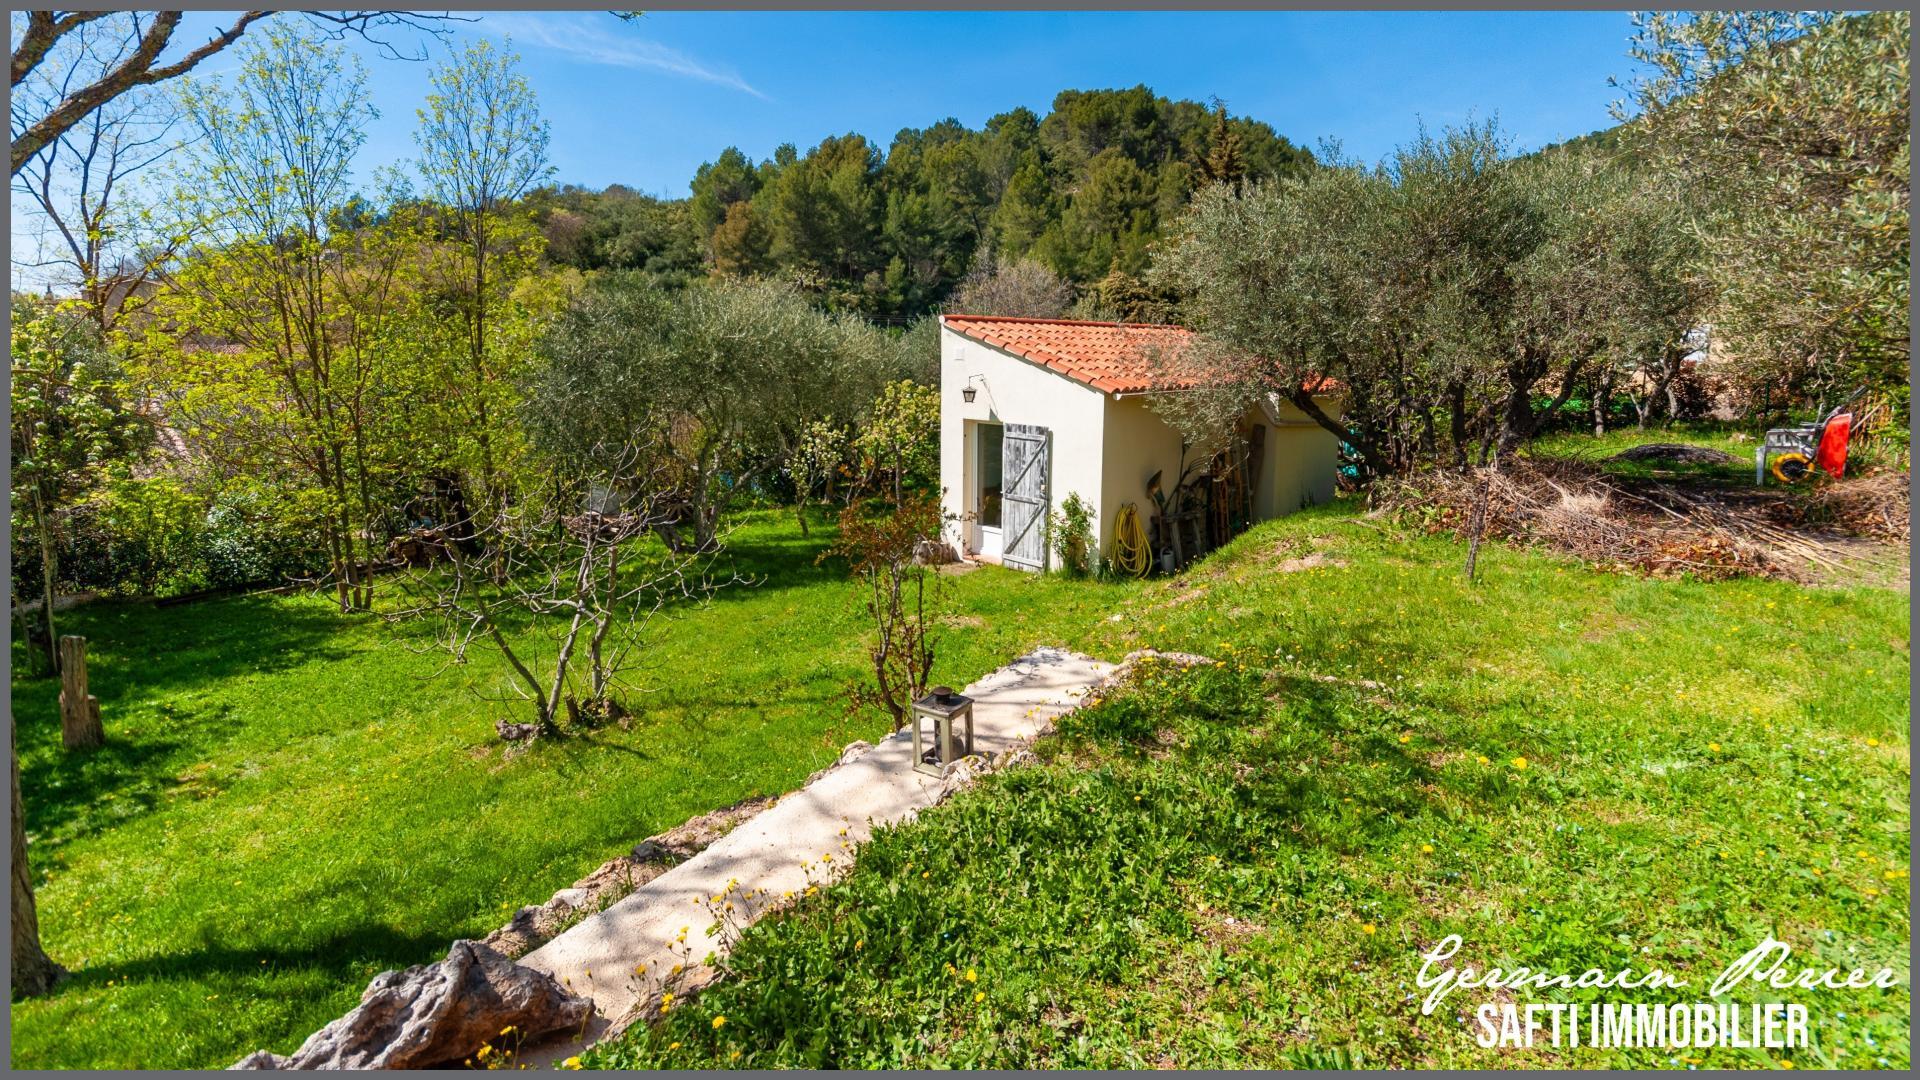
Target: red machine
(1797,451)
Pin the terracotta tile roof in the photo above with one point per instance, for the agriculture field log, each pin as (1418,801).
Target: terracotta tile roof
(1114,358)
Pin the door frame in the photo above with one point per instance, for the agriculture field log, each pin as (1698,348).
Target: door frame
(979,533)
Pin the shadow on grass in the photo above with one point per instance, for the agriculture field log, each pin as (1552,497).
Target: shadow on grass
(138,648)
(340,957)
(139,656)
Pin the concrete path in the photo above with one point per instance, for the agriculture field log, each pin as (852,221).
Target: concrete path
(624,957)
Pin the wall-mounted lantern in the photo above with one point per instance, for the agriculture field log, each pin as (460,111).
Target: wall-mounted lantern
(942,706)
(967,393)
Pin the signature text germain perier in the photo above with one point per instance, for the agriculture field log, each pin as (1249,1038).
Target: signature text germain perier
(1699,1024)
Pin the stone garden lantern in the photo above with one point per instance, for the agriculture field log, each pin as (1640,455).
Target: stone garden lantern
(942,706)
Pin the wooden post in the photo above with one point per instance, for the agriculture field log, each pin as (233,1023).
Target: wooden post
(79,710)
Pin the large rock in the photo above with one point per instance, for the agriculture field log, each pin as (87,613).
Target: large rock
(934,553)
(436,1014)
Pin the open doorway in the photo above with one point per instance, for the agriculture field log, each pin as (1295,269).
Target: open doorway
(988,441)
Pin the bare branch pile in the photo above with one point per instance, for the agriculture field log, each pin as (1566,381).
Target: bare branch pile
(1652,527)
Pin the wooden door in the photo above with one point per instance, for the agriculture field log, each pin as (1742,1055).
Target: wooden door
(1023,499)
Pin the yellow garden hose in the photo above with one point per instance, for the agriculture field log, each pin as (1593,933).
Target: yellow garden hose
(1130,551)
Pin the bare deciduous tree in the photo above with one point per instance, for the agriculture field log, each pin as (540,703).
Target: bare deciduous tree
(574,566)
(1014,287)
(98,240)
(143,61)
(902,594)
(483,145)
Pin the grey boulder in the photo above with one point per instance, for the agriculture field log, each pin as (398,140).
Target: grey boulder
(436,1014)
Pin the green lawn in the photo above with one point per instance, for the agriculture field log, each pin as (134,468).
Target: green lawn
(1239,867)
(292,800)
(1711,436)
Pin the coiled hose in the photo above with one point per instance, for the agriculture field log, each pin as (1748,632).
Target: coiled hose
(1130,551)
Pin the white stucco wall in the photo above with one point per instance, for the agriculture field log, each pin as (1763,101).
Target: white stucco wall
(1299,461)
(1303,460)
(1012,391)
(1139,443)
(1103,447)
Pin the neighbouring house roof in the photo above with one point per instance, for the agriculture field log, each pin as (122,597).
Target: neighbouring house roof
(1113,358)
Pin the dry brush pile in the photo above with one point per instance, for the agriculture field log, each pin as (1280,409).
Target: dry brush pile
(1660,527)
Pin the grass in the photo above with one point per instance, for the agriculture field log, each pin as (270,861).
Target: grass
(292,801)
(1707,434)
(1239,867)
(1866,454)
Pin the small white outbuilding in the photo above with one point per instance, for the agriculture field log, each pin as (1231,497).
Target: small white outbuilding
(1035,410)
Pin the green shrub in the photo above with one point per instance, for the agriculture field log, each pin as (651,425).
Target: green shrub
(1070,532)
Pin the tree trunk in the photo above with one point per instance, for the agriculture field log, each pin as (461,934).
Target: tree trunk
(1657,395)
(79,711)
(48,572)
(1602,397)
(34,973)
(1476,526)
(1457,422)
(1370,454)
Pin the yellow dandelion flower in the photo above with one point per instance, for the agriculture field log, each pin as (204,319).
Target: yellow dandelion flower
(572,1063)
(1483,759)
(1406,738)
(1368,929)
(1873,742)
(1426,849)
(1520,763)
(972,975)
(673,1046)
(735,1056)
(719,1022)
(1714,746)
(979,996)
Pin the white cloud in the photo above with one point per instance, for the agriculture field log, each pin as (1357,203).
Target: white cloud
(601,39)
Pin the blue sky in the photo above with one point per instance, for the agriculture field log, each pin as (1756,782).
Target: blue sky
(644,103)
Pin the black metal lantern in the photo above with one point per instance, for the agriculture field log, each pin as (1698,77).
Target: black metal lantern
(967,392)
(942,706)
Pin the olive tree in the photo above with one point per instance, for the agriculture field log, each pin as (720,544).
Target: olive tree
(1792,131)
(723,380)
(1446,289)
